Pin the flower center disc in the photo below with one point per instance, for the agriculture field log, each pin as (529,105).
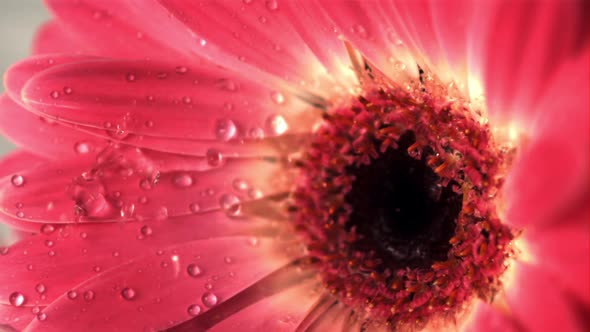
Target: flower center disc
(396,202)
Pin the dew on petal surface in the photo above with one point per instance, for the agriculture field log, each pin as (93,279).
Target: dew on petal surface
(128,293)
(17,299)
(209,299)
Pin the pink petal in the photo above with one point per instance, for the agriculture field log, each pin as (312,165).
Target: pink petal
(562,251)
(62,257)
(280,312)
(19,73)
(163,100)
(130,185)
(487,318)
(538,303)
(248,37)
(13,318)
(52,38)
(44,137)
(522,44)
(157,291)
(552,172)
(111,29)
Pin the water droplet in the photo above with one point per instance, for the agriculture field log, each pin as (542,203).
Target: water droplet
(35,310)
(146,230)
(17,299)
(97,269)
(194,309)
(82,147)
(231,204)
(253,241)
(240,184)
(225,130)
(262,19)
(54,94)
(41,316)
(228,260)
(30,267)
(47,229)
(4,251)
(209,299)
(20,214)
(181,70)
(183,180)
(130,77)
(51,253)
(214,157)
(277,97)
(67,90)
(277,125)
(360,31)
(202,42)
(194,207)
(83,235)
(89,295)
(227,85)
(49,243)
(256,133)
(17,180)
(40,288)
(194,270)
(116,254)
(128,293)
(187,100)
(72,295)
(272,5)
(247,1)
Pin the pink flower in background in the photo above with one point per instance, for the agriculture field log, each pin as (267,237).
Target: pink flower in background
(299,166)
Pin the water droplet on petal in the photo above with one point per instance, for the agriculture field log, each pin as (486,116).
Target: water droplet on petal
(49,243)
(194,309)
(183,180)
(187,100)
(214,157)
(17,299)
(228,260)
(82,147)
(227,85)
(146,230)
(89,295)
(194,270)
(225,130)
(181,70)
(277,125)
(240,184)
(41,316)
(72,295)
(277,97)
(20,214)
(54,94)
(130,77)
(360,31)
(67,90)
(128,293)
(47,228)
(209,299)
(231,204)
(40,288)
(272,5)
(195,207)
(17,180)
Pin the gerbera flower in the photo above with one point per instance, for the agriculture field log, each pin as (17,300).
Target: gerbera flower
(299,166)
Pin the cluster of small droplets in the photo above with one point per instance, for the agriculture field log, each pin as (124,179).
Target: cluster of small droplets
(461,152)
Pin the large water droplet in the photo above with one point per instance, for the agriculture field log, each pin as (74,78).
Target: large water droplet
(128,293)
(231,204)
(277,125)
(47,228)
(54,94)
(146,230)
(225,130)
(209,299)
(17,299)
(194,270)
(72,295)
(41,316)
(214,157)
(194,309)
(82,147)
(183,180)
(17,180)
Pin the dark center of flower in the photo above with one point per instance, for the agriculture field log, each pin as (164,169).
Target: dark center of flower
(399,207)
(396,203)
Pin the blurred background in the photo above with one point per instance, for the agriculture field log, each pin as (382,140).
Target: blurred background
(19,20)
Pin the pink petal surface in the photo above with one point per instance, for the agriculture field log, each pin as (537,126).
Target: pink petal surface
(62,257)
(44,137)
(163,100)
(552,171)
(14,318)
(52,38)
(521,45)
(109,28)
(538,303)
(487,318)
(129,186)
(157,290)
(281,312)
